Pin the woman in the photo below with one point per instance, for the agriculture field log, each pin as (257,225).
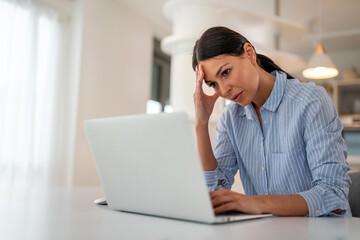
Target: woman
(283,136)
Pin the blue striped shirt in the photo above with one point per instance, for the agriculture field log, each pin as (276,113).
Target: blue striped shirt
(300,150)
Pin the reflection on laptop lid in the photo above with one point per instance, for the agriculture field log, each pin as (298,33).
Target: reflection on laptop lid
(149,164)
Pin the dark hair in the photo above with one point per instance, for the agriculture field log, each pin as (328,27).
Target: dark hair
(221,40)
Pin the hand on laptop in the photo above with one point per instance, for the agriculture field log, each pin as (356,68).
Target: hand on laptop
(225,200)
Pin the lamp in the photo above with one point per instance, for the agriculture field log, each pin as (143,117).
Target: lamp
(320,65)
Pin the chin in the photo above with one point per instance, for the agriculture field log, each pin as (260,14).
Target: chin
(244,103)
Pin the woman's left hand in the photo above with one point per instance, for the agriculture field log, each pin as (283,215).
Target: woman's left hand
(225,200)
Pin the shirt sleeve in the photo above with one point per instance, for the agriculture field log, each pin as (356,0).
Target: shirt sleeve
(225,157)
(326,156)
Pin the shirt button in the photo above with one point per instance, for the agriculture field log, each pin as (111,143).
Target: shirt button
(317,212)
(262,108)
(261,143)
(265,121)
(263,168)
(215,176)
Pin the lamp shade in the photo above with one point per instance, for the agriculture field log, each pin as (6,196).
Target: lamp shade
(320,65)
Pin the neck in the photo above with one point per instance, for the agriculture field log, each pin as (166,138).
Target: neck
(266,84)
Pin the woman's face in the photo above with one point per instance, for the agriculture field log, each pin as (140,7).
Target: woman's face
(233,77)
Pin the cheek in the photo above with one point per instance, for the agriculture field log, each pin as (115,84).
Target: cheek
(251,77)
(249,71)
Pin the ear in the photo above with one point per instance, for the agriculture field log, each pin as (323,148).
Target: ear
(250,53)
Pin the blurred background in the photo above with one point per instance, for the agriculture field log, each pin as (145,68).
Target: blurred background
(64,61)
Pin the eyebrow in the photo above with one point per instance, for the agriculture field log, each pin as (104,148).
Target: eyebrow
(219,70)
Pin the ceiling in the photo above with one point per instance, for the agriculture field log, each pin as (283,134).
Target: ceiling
(340,21)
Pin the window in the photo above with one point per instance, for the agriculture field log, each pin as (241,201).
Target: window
(160,91)
(34,93)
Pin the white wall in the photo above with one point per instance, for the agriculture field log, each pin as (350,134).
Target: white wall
(115,75)
(346,60)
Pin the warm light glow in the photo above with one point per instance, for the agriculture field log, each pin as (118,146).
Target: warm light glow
(320,72)
(320,65)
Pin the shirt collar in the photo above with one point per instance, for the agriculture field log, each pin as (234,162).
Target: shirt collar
(277,93)
(273,102)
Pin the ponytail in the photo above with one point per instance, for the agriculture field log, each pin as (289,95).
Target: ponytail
(268,65)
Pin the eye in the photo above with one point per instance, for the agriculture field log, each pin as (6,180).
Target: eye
(226,72)
(212,84)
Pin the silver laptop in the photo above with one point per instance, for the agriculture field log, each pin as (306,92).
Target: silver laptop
(148,164)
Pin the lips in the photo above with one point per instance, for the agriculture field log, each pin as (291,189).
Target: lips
(237,97)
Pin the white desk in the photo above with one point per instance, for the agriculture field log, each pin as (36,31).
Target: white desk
(70,214)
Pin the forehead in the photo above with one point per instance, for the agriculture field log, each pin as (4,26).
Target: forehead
(212,65)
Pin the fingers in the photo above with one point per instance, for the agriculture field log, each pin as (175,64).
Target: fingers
(199,82)
(221,196)
(199,73)
(198,88)
(220,200)
(220,192)
(199,78)
(230,206)
(224,200)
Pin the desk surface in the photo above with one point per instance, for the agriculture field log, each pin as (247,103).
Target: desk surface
(70,214)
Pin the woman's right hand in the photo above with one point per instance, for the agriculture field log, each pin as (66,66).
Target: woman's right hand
(204,104)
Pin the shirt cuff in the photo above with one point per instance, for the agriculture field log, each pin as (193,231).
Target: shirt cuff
(317,208)
(212,178)
(314,202)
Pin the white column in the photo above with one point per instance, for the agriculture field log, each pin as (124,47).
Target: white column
(190,19)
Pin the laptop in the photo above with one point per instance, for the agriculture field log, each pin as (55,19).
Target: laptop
(148,164)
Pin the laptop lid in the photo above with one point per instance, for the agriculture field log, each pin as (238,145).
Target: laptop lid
(149,164)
